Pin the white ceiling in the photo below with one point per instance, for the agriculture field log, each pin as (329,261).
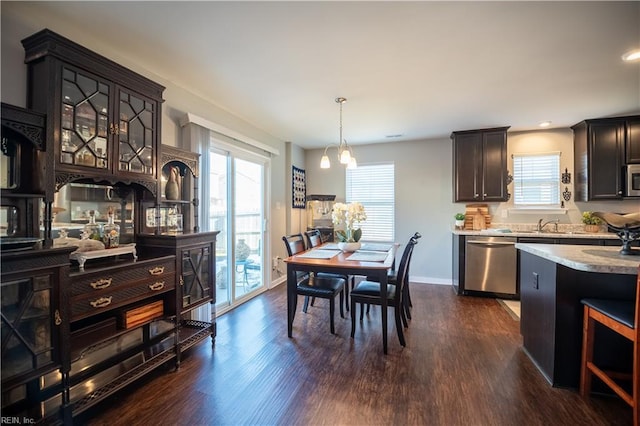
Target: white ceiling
(416,69)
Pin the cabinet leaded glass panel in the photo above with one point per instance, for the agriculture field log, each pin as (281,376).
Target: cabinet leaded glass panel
(195,275)
(85,120)
(26,325)
(136,134)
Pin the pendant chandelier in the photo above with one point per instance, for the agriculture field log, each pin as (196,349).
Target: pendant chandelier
(345,152)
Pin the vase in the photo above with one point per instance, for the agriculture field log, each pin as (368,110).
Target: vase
(92,228)
(459,224)
(172,190)
(111,232)
(349,247)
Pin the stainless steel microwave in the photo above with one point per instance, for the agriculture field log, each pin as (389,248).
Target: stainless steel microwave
(632,180)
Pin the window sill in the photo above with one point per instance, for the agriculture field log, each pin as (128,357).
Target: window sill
(537,210)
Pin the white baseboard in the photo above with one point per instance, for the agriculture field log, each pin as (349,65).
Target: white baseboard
(430,280)
(278,281)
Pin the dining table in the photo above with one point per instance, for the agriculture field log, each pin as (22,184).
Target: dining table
(371,260)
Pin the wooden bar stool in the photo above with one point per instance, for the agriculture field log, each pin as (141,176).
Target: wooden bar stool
(621,317)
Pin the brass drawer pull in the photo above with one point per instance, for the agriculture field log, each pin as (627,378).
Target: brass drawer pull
(102,302)
(101,283)
(158,270)
(156,286)
(58,318)
(181,280)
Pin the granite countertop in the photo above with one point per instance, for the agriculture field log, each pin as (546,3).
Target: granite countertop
(586,258)
(500,232)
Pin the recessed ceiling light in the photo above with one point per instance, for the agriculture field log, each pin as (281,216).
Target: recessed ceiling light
(544,124)
(631,56)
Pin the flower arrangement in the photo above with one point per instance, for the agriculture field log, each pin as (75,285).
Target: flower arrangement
(349,216)
(589,219)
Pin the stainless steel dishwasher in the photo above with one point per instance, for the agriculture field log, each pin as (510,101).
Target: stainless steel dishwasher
(490,264)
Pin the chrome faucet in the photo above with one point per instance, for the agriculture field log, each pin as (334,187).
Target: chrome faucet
(542,225)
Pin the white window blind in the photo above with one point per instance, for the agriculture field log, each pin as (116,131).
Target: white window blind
(536,179)
(373,185)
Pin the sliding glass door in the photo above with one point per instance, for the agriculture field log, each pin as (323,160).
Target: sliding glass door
(236,209)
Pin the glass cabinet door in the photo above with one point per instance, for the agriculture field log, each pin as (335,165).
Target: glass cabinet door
(136,134)
(27,335)
(85,125)
(195,276)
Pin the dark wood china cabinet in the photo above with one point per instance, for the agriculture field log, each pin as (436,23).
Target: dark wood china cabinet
(171,227)
(78,326)
(104,119)
(34,311)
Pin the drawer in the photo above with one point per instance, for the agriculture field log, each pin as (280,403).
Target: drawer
(122,275)
(89,304)
(139,315)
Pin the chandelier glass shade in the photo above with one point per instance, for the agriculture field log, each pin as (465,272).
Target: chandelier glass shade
(345,152)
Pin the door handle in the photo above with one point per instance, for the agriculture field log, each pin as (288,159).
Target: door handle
(491,244)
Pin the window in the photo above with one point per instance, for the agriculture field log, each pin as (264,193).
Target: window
(536,179)
(373,186)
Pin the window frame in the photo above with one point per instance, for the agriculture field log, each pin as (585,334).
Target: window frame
(379,204)
(550,183)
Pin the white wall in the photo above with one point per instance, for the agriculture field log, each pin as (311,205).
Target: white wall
(423,197)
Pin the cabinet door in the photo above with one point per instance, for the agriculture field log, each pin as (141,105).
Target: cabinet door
(467,178)
(28,322)
(494,166)
(196,279)
(633,141)
(605,159)
(137,134)
(85,120)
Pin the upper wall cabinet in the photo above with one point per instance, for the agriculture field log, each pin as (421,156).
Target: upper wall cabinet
(103,119)
(480,165)
(632,134)
(601,148)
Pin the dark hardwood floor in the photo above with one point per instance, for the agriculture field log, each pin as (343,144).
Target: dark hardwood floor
(463,365)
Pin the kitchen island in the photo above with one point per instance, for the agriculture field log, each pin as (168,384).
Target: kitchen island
(553,280)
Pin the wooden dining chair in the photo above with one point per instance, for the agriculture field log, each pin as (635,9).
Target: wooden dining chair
(368,292)
(623,318)
(392,277)
(314,239)
(309,285)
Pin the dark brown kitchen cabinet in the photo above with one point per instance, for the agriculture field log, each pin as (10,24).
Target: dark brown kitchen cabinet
(601,148)
(104,120)
(480,165)
(632,148)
